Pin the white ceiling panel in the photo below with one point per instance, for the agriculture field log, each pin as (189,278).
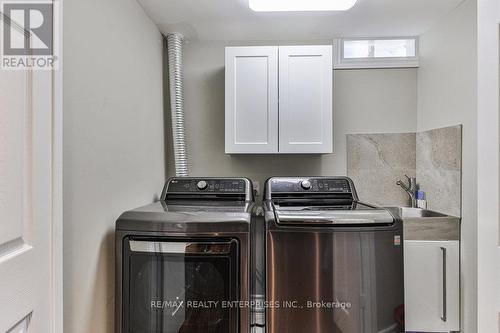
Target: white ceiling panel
(234,20)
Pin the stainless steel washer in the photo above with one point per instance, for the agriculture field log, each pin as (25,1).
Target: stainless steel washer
(178,260)
(333,264)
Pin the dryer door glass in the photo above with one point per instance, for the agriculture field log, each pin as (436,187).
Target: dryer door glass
(174,287)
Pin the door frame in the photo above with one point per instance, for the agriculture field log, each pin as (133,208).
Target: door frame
(488,187)
(57,174)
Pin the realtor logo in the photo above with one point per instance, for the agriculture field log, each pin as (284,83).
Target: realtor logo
(27,35)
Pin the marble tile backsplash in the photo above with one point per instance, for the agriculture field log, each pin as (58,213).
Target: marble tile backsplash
(376,161)
(439,168)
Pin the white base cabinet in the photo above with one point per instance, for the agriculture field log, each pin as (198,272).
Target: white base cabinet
(278,99)
(432,286)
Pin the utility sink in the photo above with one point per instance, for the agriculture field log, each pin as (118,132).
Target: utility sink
(409,212)
(424,224)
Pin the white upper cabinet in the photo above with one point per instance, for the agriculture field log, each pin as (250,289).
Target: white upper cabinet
(299,120)
(251,99)
(305,99)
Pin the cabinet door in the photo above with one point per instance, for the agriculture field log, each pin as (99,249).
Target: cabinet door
(251,99)
(305,91)
(432,286)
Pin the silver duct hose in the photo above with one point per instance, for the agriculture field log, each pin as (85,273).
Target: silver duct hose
(174,42)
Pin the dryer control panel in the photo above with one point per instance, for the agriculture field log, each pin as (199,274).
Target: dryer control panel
(183,185)
(208,188)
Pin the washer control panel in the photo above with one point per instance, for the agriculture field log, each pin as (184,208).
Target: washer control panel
(303,185)
(209,185)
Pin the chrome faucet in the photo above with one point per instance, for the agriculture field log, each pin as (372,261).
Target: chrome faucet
(410,189)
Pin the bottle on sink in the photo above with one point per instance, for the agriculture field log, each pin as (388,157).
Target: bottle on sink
(421,202)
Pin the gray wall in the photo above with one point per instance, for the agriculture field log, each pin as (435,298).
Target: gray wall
(365,101)
(447,96)
(113,145)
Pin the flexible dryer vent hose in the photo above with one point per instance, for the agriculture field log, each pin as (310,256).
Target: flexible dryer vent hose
(174,42)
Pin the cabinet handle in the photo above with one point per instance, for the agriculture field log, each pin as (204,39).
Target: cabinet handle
(443,251)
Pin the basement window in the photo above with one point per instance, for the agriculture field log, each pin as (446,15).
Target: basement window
(376,52)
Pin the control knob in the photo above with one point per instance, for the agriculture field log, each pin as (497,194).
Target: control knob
(306,184)
(201,185)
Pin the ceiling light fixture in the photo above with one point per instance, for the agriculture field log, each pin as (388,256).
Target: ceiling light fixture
(299,5)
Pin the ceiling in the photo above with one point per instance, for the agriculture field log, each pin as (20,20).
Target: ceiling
(233,20)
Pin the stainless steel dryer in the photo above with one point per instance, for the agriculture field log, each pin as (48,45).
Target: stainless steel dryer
(333,264)
(182,263)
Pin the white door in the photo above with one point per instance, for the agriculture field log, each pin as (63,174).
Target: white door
(30,241)
(488,241)
(251,99)
(305,99)
(432,287)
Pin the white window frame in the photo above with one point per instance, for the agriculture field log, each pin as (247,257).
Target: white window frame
(339,62)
